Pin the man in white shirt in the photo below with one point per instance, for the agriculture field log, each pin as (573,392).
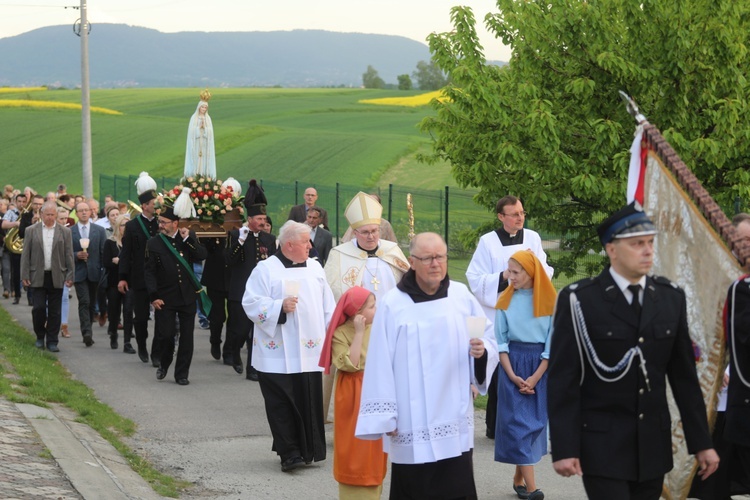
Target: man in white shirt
(47,265)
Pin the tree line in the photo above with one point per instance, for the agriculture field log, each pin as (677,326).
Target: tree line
(428,76)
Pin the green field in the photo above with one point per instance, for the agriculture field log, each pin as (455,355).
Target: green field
(320,136)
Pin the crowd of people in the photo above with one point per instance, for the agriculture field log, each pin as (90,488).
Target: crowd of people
(400,347)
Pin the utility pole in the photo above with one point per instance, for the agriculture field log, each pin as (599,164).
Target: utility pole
(83,32)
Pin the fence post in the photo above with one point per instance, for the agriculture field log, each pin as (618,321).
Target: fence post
(296,192)
(446,215)
(390,202)
(337,212)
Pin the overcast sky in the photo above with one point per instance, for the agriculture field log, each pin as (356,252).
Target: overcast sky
(413,19)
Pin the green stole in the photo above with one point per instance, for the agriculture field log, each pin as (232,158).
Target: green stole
(205,301)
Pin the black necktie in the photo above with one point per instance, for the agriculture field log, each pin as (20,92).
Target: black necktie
(636,304)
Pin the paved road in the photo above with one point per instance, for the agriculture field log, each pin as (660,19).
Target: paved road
(214,433)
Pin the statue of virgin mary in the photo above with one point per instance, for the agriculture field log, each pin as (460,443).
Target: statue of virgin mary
(200,156)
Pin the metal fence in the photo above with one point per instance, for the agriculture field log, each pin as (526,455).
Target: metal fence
(447,211)
(451,212)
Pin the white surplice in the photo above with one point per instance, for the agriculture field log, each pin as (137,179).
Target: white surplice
(294,346)
(490,260)
(419,374)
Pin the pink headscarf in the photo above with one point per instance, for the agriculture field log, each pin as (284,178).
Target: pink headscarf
(350,302)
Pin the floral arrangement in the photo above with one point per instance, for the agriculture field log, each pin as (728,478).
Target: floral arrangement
(212,198)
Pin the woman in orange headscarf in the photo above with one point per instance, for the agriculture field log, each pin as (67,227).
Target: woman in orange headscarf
(522,326)
(358,465)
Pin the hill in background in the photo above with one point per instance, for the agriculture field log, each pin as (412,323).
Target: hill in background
(129,56)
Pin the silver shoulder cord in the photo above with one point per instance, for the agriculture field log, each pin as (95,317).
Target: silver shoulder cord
(732,340)
(581,333)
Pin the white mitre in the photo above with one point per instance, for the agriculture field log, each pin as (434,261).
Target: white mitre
(363,210)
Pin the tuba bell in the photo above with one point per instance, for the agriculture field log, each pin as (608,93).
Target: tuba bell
(14,242)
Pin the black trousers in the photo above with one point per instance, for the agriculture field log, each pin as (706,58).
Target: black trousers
(294,408)
(620,489)
(448,479)
(168,318)
(46,310)
(86,293)
(15,274)
(239,331)
(218,315)
(120,303)
(141,306)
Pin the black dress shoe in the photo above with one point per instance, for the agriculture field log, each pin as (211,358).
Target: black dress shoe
(88,340)
(292,463)
(39,344)
(228,361)
(53,348)
(238,368)
(143,354)
(155,363)
(128,349)
(216,351)
(160,374)
(182,381)
(113,341)
(521,491)
(16,300)
(252,375)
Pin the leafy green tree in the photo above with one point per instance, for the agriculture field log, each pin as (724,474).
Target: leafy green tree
(404,82)
(550,127)
(371,80)
(429,76)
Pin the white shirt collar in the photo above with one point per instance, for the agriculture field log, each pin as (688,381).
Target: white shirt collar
(623,284)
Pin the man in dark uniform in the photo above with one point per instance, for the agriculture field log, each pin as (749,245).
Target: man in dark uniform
(172,288)
(132,263)
(616,338)
(247,246)
(737,428)
(216,275)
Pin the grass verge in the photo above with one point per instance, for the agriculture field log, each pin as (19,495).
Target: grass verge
(37,377)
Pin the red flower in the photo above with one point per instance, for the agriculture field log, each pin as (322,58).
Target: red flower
(192,194)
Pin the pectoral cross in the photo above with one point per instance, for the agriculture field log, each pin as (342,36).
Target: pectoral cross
(375,282)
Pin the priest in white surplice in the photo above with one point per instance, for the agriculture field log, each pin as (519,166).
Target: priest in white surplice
(367,260)
(290,303)
(487,271)
(421,363)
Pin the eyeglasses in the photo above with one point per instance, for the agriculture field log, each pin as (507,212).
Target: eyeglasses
(517,215)
(440,259)
(368,234)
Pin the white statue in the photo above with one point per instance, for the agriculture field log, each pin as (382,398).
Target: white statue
(200,156)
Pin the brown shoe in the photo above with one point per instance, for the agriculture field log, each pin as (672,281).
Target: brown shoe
(102,319)
(64,331)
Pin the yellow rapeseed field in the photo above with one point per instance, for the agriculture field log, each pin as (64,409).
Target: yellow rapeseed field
(413,101)
(25,103)
(16,90)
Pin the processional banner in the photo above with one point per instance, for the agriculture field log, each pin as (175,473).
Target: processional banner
(694,248)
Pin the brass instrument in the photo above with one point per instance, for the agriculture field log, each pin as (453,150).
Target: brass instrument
(133,209)
(13,242)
